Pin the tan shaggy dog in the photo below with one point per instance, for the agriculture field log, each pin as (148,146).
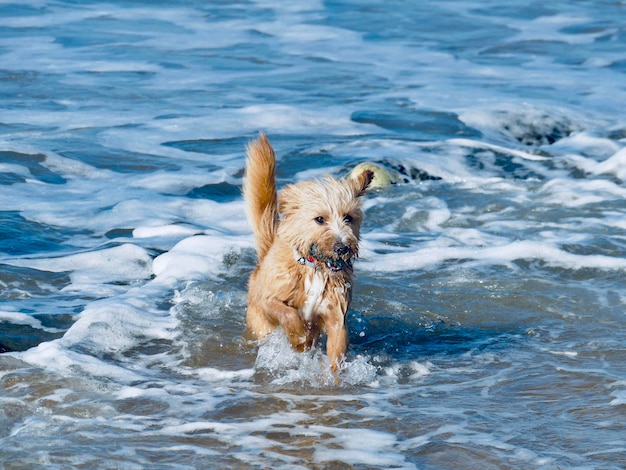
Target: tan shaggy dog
(307,238)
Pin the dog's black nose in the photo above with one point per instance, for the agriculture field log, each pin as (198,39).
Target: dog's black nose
(341,249)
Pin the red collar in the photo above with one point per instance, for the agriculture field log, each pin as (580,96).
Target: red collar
(305,260)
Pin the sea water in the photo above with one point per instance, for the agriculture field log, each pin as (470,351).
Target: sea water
(488,323)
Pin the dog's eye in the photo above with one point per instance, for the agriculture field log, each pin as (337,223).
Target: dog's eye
(348,219)
(319,220)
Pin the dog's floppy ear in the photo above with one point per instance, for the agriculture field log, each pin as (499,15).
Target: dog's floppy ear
(360,183)
(287,202)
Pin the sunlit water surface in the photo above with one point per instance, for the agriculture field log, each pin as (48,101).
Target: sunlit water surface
(487,328)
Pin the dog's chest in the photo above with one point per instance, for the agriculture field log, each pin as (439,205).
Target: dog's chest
(314,286)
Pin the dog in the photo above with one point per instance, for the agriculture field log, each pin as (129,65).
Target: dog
(307,238)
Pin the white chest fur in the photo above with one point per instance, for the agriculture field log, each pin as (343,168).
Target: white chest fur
(314,285)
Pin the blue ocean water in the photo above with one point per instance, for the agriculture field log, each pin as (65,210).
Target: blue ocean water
(487,328)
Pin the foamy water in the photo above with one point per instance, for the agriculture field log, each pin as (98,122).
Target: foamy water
(487,328)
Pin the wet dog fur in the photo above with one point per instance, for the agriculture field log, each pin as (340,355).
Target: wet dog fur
(307,237)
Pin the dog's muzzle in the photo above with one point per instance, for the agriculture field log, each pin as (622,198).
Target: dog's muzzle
(341,261)
(341,250)
(337,264)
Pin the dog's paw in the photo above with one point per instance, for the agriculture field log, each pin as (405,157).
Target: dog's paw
(295,329)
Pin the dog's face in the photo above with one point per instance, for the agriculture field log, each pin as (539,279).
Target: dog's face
(322,219)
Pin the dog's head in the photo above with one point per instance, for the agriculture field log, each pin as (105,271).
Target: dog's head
(322,219)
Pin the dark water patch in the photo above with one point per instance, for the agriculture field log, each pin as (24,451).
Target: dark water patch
(37,294)
(400,340)
(140,406)
(294,157)
(120,161)
(593,275)
(612,244)
(618,65)
(33,163)
(220,192)
(19,283)
(502,164)
(85,150)
(7,178)
(23,337)
(304,159)
(16,128)
(298,153)
(212,146)
(617,134)
(119,233)
(20,236)
(73,39)
(17,85)
(424,125)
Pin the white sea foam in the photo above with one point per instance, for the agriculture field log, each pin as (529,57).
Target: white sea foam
(124,263)
(277,358)
(55,357)
(562,192)
(585,143)
(482,145)
(196,258)
(16,169)
(153,273)
(551,27)
(177,231)
(615,165)
(437,253)
(362,447)
(619,393)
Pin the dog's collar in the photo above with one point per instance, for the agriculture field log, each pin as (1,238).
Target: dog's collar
(305,260)
(315,263)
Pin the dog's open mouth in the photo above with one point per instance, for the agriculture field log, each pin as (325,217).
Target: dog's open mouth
(336,265)
(333,264)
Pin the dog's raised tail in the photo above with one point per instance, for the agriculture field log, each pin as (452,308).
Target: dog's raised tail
(259,191)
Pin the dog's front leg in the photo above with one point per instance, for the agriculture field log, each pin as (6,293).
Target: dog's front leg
(291,321)
(337,340)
